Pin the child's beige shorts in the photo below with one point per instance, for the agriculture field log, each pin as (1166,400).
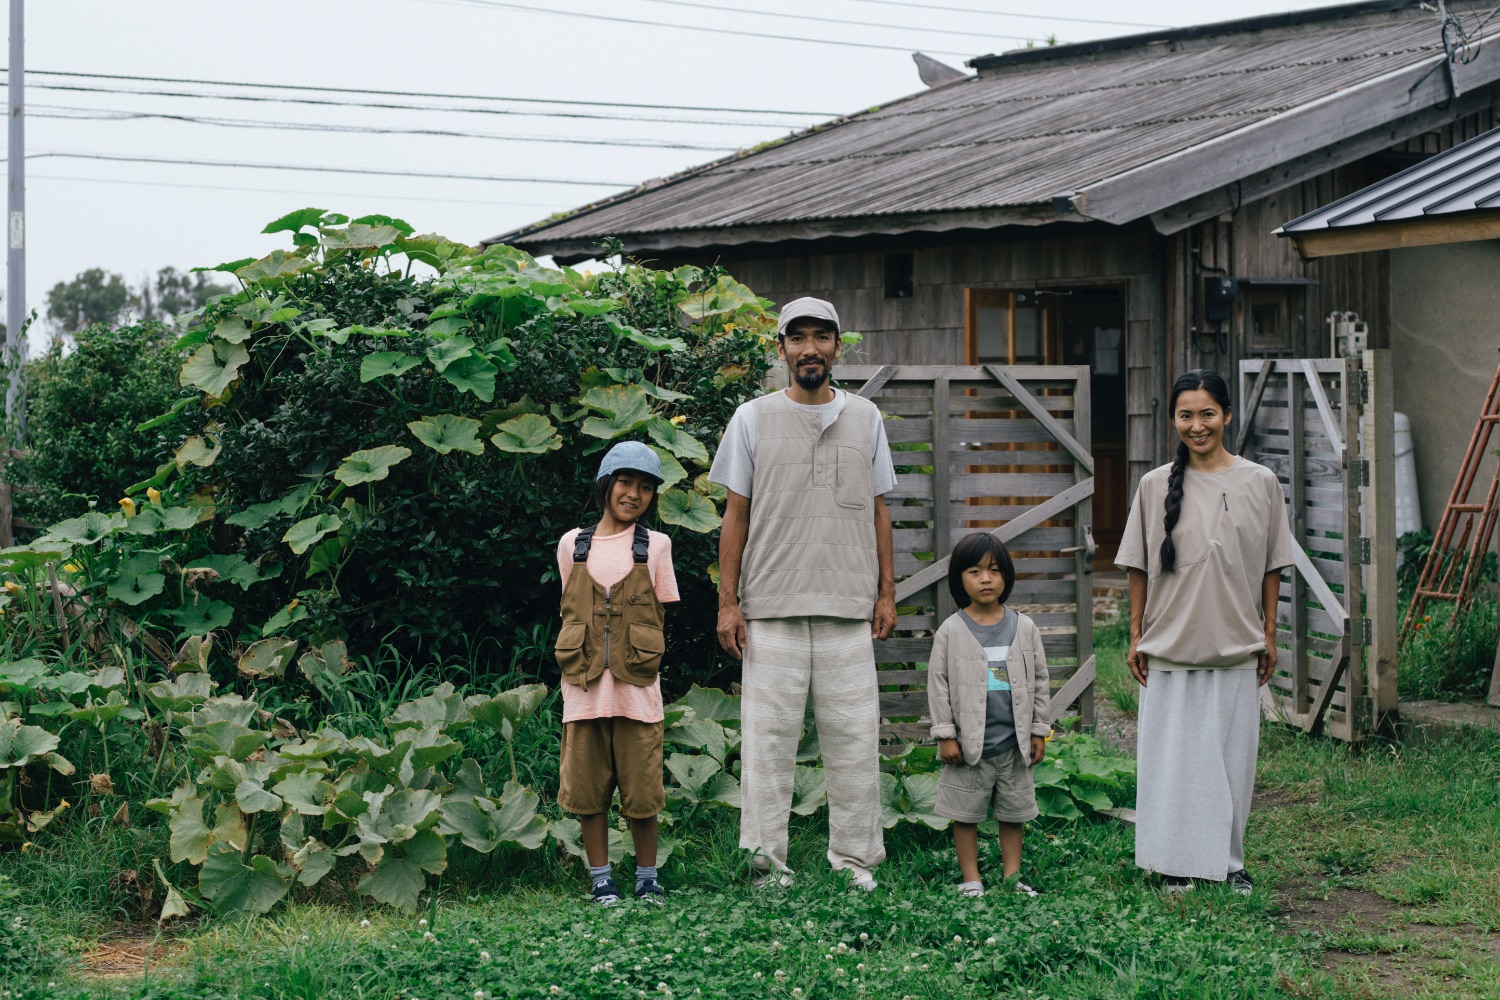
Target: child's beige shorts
(965,793)
(600,755)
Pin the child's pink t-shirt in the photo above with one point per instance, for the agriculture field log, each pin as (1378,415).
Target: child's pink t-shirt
(610,559)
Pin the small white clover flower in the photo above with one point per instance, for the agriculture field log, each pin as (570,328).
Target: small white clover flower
(990,941)
(756,974)
(796,991)
(708,949)
(860,967)
(905,968)
(474,942)
(422,922)
(663,988)
(839,972)
(828,958)
(429,936)
(555,990)
(306,938)
(535,954)
(780,975)
(484,956)
(637,968)
(667,958)
(809,925)
(1056,923)
(863,936)
(479,995)
(923,967)
(958,939)
(775,945)
(364,923)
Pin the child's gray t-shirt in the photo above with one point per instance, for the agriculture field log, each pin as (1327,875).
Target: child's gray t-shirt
(999,715)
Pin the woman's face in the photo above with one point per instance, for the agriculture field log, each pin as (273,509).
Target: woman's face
(1200,422)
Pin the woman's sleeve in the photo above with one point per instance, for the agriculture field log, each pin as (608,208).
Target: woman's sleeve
(939,708)
(1279,539)
(1132,554)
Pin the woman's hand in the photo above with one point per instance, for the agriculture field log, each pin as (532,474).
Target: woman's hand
(950,752)
(1267,665)
(1136,661)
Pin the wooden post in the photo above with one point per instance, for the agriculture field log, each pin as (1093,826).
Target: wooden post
(1380,528)
(1297,481)
(1356,722)
(1083,537)
(942,499)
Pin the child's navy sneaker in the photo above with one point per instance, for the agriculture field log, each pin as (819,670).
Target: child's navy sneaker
(606,893)
(650,891)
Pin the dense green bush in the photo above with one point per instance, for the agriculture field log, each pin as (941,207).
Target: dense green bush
(82,411)
(387,459)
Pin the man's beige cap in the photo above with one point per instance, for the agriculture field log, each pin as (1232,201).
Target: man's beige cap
(807,307)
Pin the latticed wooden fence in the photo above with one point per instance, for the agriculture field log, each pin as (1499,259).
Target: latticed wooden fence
(996,448)
(1325,427)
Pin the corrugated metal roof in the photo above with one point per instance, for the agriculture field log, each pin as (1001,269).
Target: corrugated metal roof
(1027,129)
(1464,179)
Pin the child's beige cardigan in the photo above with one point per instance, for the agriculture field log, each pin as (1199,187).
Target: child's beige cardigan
(957,685)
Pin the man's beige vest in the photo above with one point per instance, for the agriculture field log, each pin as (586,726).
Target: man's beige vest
(811,549)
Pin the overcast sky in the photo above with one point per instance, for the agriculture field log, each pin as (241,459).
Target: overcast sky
(134,217)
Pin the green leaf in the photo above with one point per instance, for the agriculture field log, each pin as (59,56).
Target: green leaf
(710,489)
(86,530)
(296,221)
(693,511)
(252,797)
(446,433)
(692,772)
(228,267)
(890,799)
(650,343)
(235,887)
(624,409)
(341,335)
(21,675)
(921,791)
(370,465)
(395,882)
(213,368)
(516,821)
(309,530)
(700,734)
(273,269)
(528,434)
(257,515)
(138,589)
(710,703)
(443,708)
(505,712)
(323,662)
(359,236)
(234,568)
(196,451)
(325,555)
(202,616)
(190,838)
(305,793)
(1057,803)
(432,249)
(676,440)
(665,395)
(313,860)
(672,471)
(569,835)
(473,374)
(267,658)
(809,790)
(287,616)
(402,227)
(233,329)
(445,352)
(383,363)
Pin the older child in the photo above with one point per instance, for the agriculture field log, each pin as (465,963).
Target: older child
(616,576)
(988,697)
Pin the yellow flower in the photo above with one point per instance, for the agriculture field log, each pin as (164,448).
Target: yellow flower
(72,567)
(26,847)
(679,420)
(12,587)
(128,506)
(154,495)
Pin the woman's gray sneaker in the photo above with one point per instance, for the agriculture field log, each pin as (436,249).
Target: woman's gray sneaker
(1240,882)
(1175,884)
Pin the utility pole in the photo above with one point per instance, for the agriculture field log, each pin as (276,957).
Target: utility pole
(15,261)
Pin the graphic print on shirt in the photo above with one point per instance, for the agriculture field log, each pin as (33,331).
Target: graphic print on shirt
(999,678)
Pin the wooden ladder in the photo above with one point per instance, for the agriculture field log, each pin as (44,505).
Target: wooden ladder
(1452,567)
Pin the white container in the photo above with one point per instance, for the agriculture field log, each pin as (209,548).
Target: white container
(1408,505)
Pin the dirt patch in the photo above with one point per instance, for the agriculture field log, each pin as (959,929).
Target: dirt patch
(1112,726)
(123,954)
(1375,943)
(1277,798)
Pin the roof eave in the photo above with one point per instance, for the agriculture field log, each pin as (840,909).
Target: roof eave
(1452,228)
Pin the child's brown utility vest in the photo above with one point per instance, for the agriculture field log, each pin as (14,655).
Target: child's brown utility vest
(619,631)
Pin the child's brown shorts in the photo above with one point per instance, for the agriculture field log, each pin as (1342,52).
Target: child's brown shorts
(600,755)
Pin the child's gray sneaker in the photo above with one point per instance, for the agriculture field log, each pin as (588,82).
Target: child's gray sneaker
(606,893)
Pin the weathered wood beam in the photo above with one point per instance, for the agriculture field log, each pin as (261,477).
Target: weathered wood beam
(1243,152)
(1315,389)
(1251,404)
(1036,409)
(1393,235)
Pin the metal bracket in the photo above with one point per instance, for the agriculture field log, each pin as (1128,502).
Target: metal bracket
(1359,386)
(1362,551)
(1088,548)
(1359,473)
(1363,631)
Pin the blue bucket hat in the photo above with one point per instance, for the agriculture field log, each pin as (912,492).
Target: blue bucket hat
(631,455)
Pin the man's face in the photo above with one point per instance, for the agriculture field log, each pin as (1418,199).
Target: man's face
(809,348)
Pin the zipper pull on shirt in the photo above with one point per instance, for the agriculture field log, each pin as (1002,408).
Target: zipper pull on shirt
(1225,498)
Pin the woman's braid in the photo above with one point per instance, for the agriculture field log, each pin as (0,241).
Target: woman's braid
(1173,507)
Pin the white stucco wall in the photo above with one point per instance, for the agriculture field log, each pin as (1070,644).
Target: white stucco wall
(1445,335)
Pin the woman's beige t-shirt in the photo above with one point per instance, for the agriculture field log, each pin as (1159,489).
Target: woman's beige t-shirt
(1232,531)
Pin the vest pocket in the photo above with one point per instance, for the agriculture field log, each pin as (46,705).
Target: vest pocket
(647,644)
(853,489)
(569,651)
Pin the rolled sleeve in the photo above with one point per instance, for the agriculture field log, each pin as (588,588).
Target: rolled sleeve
(1279,538)
(882,467)
(1132,554)
(734,462)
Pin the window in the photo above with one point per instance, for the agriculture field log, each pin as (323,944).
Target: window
(900,280)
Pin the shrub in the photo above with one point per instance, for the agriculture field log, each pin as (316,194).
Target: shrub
(82,411)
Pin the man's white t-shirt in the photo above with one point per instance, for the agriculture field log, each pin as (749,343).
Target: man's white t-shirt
(734,464)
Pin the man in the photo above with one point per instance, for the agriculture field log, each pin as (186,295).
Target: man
(806,582)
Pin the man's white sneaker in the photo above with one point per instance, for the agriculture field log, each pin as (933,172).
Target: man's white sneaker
(971,890)
(762,880)
(865,882)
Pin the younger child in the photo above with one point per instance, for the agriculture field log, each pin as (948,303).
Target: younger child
(988,696)
(616,576)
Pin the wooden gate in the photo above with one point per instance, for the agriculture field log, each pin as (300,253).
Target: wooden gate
(949,428)
(1325,427)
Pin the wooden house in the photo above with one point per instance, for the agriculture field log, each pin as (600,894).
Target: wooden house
(1108,203)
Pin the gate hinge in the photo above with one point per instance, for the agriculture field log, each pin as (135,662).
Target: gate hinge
(1364,631)
(1362,551)
(1359,472)
(1359,386)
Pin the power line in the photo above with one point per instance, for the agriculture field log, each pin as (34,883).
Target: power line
(418,93)
(101,114)
(527,9)
(1007,13)
(297,193)
(834,20)
(113,158)
(323,102)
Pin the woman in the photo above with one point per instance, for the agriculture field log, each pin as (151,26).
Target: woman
(1205,544)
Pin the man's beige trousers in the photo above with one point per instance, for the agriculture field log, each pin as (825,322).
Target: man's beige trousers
(835,659)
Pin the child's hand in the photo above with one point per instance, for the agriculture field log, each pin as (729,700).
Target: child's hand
(949,752)
(1038,749)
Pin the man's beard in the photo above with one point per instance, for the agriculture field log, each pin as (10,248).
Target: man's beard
(811,377)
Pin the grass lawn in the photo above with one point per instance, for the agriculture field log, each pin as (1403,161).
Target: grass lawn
(1378,874)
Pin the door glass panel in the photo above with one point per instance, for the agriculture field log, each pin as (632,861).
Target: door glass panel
(991,339)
